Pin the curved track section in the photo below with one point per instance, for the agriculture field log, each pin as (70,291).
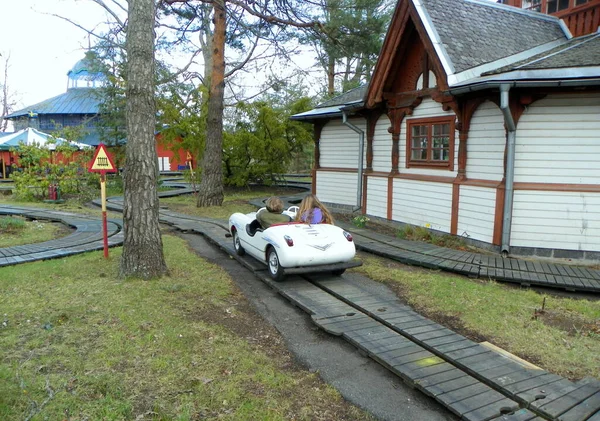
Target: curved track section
(86,237)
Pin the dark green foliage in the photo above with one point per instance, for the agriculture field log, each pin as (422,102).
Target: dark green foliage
(264,141)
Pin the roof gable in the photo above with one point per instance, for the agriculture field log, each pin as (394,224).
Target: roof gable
(463,39)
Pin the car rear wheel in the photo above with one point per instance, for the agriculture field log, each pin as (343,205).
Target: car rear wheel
(239,250)
(275,269)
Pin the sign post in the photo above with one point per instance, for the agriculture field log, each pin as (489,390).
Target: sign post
(103,163)
(188,160)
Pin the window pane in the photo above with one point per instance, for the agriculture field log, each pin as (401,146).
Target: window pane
(419,154)
(563,4)
(441,129)
(580,2)
(419,131)
(552,6)
(418,143)
(441,142)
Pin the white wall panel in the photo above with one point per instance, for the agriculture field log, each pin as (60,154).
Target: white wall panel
(560,220)
(476,212)
(382,145)
(337,187)
(339,144)
(422,203)
(377,196)
(486,143)
(427,108)
(558,141)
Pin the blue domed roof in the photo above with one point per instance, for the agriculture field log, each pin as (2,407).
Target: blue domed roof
(86,72)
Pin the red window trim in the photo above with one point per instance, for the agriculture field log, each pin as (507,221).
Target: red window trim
(449,165)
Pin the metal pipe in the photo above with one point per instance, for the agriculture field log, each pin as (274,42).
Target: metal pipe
(510,168)
(361,147)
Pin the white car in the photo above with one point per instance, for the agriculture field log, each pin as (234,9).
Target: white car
(293,247)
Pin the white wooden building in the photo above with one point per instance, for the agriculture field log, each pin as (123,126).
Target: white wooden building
(485,133)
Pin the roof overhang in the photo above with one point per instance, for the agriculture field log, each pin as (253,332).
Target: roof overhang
(572,77)
(327,112)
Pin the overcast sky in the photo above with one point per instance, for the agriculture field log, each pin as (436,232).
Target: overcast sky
(43,48)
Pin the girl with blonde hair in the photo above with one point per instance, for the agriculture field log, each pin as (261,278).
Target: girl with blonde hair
(312,211)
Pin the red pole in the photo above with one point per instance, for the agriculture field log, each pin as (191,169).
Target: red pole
(104,225)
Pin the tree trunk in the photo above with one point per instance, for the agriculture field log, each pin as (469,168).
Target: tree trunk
(142,247)
(331,77)
(211,185)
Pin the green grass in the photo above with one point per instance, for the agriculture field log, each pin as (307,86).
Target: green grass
(16,231)
(564,340)
(78,343)
(235,201)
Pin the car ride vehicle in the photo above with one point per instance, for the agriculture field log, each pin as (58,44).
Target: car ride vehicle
(293,247)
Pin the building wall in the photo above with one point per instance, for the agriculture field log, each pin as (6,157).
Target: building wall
(486,143)
(339,144)
(476,213)
(337,187)
(558,150)
(377,196)
(485,161)
(382,145)
(422,203)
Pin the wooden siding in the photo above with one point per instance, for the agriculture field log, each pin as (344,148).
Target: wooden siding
(339,144)
(561,220)
(421,203)
(377,196)
(476,213)
(382,145)
(337,187)
(486,143)
(558,141)
(427,108)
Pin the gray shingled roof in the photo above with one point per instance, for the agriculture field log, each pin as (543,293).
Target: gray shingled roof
(353,95)
(74,101)
(578,52)
(479,32)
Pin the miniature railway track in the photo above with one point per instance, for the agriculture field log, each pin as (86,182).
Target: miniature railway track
(87,236)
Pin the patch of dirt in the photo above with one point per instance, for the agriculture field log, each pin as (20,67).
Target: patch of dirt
(571,323)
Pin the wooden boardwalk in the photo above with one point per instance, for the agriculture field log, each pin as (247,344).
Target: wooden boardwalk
(477,265)
(87,236)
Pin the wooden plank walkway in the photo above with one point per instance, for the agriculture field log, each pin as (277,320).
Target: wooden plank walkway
(476,265)
(87,236)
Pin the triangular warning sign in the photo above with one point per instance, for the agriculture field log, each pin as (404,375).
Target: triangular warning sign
(102,161)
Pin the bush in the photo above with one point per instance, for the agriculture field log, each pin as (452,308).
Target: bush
(40,169)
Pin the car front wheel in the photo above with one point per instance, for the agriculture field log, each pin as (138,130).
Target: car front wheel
(239,250)
(275,269)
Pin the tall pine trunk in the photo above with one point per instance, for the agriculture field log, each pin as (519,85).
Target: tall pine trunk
(211,185)
(142,247)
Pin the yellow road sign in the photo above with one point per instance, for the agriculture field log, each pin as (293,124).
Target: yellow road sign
(102,161)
